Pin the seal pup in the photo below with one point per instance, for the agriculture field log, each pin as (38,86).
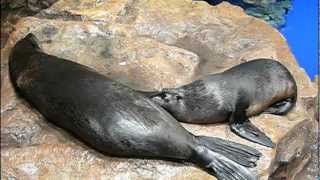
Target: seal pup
(245,90)
(115,119)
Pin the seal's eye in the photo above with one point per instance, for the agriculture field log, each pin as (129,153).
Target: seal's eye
(165,97)
(178,97)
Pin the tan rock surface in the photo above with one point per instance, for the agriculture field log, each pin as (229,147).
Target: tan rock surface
(145,45)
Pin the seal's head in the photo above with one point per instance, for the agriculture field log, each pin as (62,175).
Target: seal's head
(191,104)
(166,98)
(172,101)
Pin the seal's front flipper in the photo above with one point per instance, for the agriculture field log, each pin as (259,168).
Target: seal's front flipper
(220,166)
(281,107)
(242,154)
(248,131)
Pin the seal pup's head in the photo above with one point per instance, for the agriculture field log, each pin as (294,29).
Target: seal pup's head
(172,101)
(166,98)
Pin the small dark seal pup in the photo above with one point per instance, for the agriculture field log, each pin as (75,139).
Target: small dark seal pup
(115,119)
(248,89)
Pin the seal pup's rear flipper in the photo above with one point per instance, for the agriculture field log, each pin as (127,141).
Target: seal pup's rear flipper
(242,154)
(248,131)
(220,166)
(281,107)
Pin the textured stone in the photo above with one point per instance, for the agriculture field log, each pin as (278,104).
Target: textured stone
(272,11)
(151,44)
(31,5)
(135,61)
(311,170)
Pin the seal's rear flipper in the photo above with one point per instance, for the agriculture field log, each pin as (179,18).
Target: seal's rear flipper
(220,166)
(281,107)
(242,154)
(248,131)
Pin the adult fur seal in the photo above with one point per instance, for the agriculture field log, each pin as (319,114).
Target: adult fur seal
(248,89)
(115,119)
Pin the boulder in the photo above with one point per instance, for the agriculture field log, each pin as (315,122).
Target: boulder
(148,45)
(272,11)
(30,5)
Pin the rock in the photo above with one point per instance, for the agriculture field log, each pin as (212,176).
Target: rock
(272,11)
(311,170)
(17,3)
(308,166)
(8,19)
(31,5)
(150,45)
(11,10)
(136,61)
(317,100)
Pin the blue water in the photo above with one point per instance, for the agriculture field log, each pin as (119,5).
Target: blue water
(301,32)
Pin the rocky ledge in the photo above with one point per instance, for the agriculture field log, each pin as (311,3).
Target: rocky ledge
(148,45)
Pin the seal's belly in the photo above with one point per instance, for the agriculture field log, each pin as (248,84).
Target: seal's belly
(208,116)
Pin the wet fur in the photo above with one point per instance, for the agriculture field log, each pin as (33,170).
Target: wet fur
(234,95)
(115,119)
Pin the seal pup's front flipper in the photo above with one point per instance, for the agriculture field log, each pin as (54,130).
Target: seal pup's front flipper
(242,154)
(248,131)
(220,166)
(240,124)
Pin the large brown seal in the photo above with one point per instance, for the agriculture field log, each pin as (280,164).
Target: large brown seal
(115,119)
(248,89)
